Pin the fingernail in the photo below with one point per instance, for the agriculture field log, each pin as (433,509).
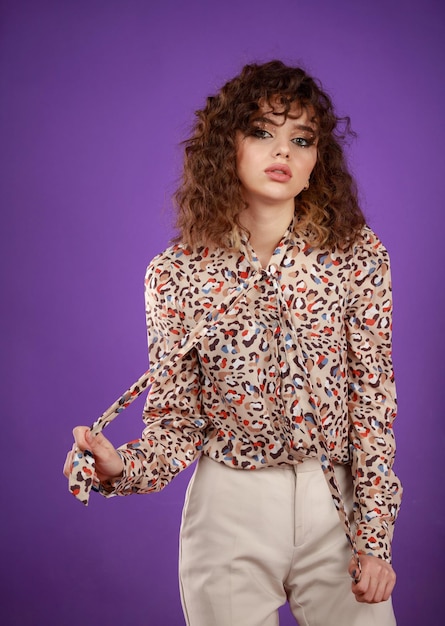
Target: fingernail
(88,453)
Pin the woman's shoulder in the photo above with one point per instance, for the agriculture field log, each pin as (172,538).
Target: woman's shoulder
(166,261)
(368,243)
(171,254)
(181,260)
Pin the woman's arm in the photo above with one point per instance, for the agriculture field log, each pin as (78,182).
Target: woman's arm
(173,436)
(372,399)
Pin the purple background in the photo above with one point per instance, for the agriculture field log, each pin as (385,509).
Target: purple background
(95,97)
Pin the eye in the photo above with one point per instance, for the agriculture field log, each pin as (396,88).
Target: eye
(302,142)
(260,133)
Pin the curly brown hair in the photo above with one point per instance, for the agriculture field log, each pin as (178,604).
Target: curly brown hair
(209,198)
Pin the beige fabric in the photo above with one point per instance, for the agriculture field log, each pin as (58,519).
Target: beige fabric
(305,351)
(262,367)
(251,540)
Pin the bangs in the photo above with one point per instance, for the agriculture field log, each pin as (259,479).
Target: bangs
(285,107)
(280,106)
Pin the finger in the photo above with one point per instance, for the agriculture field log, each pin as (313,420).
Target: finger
(79,434)
(361,583)
(98,442)
(386,587)
(380,591)
(388,590)
(100,439)
(68,462)
(370,592)
(354,571)
(360,586)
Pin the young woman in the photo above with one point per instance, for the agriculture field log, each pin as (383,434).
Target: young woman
(279,296)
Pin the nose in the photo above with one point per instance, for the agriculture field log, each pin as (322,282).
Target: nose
(281,150)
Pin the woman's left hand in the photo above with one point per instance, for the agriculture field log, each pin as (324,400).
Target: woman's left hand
(376,582)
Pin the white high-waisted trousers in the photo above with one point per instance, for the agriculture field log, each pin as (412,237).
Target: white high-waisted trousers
(252,540)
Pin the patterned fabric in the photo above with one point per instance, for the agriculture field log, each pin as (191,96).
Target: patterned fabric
(304,355)
(82,476)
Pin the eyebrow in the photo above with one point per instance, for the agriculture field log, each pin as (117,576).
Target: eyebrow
(267,120)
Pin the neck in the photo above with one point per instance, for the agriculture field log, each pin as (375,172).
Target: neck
(266,228)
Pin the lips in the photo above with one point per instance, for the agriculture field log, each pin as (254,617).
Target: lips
(279,172)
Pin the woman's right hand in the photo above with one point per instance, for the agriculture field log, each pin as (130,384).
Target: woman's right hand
(108,463)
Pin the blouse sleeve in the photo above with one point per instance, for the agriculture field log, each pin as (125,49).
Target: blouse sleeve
(173,437)
(372,399)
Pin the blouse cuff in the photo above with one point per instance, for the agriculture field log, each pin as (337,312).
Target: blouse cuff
(128,482)
(374,540)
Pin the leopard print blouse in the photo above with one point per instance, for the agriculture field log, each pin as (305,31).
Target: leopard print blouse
(307,346)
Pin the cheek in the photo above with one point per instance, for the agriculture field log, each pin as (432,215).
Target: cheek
(310,161)
(313,164)
(239,160)
(239,168)
(242,155)
(245,163)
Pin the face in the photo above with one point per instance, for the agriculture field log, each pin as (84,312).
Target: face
(276,156)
